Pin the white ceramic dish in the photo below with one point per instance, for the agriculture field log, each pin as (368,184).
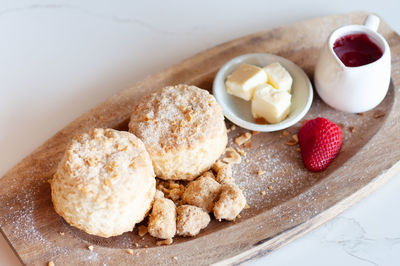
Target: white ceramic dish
(239,111)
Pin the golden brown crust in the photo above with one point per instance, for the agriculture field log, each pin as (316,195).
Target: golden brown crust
(183,129)
(105,182)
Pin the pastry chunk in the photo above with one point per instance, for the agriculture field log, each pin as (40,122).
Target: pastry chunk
(105,182)
(224,172)
(202,192)
(230,203)
(242,82)
(162,220)
(190,220)
(183,129)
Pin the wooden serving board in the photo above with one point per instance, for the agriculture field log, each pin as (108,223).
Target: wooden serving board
(298,202)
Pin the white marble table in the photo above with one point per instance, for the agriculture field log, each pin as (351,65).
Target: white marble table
(60,58)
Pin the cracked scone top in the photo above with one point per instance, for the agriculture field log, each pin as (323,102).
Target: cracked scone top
(183,129)
(105,182)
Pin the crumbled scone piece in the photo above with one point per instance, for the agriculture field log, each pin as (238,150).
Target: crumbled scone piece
(162,220)
(231,202)
(171,189)
(242,138)
(231,156)
(167,242)
(51,263)
(190,220)
(202,192)
(224,175)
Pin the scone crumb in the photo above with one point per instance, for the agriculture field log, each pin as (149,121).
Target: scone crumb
(62,233)
(130,251)
(231,156)
(270,188)
(230,203)
(167,242)
(90,248)
(175,258)
(142,230)
(247,160)
(379,114)
(263,192)
(241,152)
(51,263)
(137,245)
(233,127)
(291,181)
(247,206)
(260,172)
(242,138)
(190,220)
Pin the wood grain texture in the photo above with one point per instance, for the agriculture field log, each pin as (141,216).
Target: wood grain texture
(299,201)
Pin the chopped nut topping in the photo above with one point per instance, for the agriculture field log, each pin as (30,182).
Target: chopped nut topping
(62,233)
(241,152)
(379,114)
(90,248)
(51,263)
(175,257)
(291,181)
(298,149)
(291,142)
(352,129)
(295,138)
(260,172)
(247,206)
(142,230)
(270,188)
(247,160)
(255,132)
(137,245)
(233,127)
(242,138)
(263,192)
(164,242)
(232,156)
(130,251)
(285,133)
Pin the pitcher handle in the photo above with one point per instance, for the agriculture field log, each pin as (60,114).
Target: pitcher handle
(372,22)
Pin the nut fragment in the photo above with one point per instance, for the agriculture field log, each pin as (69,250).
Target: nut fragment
(51,263)
(90,248)
(231,156)
(270,188)
(242,138)
(352,129)
(285,133)
(130,251)
(263,192)
(167,241)
(241,152)
(379,114)
(260,172)
(142,230)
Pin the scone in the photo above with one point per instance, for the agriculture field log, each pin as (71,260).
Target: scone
(105,182)
(183,130)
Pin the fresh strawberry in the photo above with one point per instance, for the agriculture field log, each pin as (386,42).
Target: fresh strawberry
(320,141)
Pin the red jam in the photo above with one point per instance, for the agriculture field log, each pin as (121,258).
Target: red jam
(356,50)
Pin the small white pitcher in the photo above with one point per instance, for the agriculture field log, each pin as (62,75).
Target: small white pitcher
(353,89)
